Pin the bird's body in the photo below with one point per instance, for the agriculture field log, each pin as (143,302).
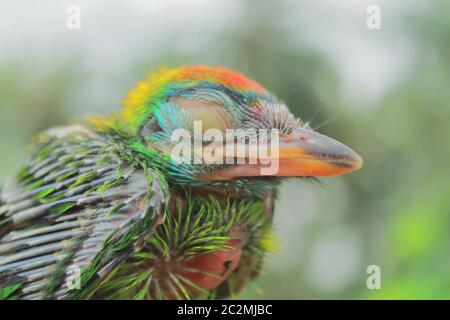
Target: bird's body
(102,210)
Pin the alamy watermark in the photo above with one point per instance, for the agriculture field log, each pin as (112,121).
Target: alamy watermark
(73,21)
(73,279)
(374,279)
(373,21)
(236,146)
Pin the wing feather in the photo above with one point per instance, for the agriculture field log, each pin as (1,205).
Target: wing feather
(76,203)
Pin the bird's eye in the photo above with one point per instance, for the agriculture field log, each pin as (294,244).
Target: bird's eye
(209,113)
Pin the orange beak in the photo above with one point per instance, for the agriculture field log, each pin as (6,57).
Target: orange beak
(304,153)
(308,153)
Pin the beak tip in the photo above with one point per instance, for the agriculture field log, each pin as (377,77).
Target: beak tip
(358,162)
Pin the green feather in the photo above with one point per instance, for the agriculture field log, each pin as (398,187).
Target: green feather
(8,292)
(43,194)
(203,227)
(61,208)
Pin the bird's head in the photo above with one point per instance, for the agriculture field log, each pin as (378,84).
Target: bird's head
(213,127)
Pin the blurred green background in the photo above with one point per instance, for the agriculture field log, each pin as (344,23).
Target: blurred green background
(385,93)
